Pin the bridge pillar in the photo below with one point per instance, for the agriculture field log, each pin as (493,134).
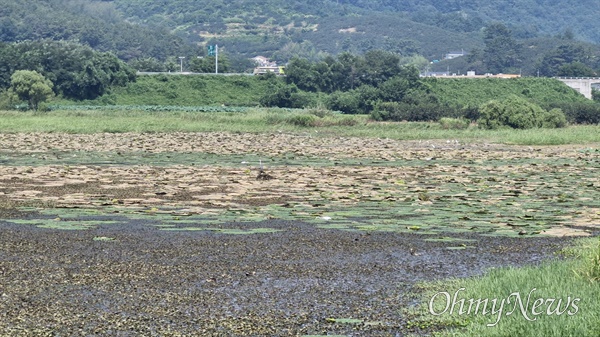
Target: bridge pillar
(583,85)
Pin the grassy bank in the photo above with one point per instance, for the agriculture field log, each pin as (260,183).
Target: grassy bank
(238,90)
(278,120)
(189,90)
(476,91)
(574,281)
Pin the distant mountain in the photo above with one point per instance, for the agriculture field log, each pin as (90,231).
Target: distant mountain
(434,26)
(95,23)
(308,28)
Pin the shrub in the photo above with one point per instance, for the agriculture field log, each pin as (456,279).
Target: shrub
(470,112)
(454,123)
(578,112)
(514,112)
(421,112)
(302,120)
(286,96)
(8,100)
(554,118)
(346,102)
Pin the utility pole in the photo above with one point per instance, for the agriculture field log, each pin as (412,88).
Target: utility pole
(216,58)
(181,58)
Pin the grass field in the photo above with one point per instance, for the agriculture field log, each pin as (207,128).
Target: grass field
(251,120)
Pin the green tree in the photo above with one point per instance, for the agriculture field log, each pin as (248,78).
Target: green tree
(76,71)
(518,113)
(576,69)
(31,86)
(378,66)
(149,64)
(284,96)
(207,64)
(300,72)
(596,95)
(501,51)
(573,54)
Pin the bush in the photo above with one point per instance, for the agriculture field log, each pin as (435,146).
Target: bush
(422,112)
(578,112)
(302,120)
(8,100)
(514,112)
(454,123)
(346,102)
(554,118)
(286,96)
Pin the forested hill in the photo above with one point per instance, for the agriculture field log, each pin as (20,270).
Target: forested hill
(95,23)
(431,28)
(284,28)
(528,18)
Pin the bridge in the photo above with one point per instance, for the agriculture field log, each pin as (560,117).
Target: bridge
(583,85)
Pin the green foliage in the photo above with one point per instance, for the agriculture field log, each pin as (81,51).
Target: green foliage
(207,64)
(585,112)
(302,120)
(567,59)
(31,86)
(285,96)
(454,123)
(289,28)
(501,51)
(141,30)
(190,90)
(346,102)
(97,24)
(560,279)
(476,91)
(596,95)
(147,108)
(8,100)
(593,264)
(349,71)
(423,111)
(575,69)
(147,64)
(77,71)
(555,118)
(518,113)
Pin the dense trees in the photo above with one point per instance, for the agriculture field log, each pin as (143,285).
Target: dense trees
(347,71)
(376,83)
(77,71)
(355,84)
(97,24)
(569,59)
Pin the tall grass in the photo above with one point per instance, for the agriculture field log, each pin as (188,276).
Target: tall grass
(556,280)
(274,120)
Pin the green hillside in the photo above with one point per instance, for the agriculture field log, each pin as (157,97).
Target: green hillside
(247,90)
(433,27)
(190,91)
(97,24)
(476,91)
(158,32)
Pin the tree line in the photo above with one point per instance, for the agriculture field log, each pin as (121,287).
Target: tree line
(76,71)
(377,83)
